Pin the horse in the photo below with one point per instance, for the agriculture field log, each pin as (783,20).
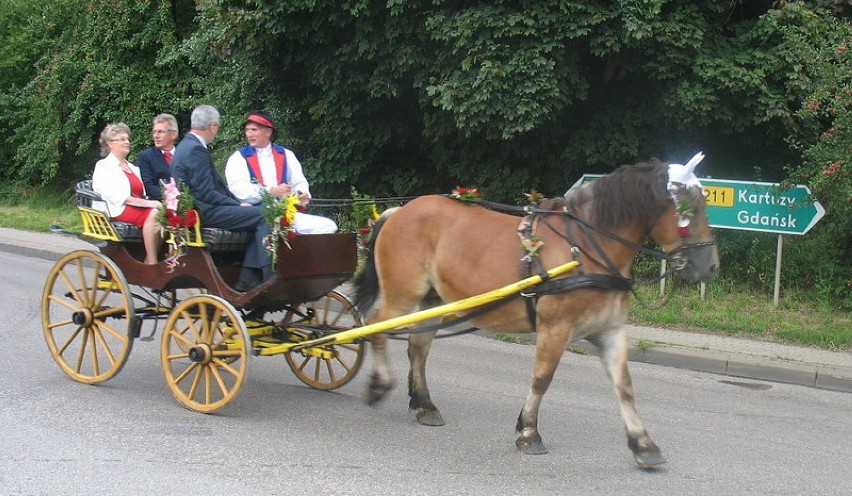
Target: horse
(439,247)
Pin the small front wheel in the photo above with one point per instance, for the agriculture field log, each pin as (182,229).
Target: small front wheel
(324,367)
(204,352)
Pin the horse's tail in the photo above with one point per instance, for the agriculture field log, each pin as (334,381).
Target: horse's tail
(367,281)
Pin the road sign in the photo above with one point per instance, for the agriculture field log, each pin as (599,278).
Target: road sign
(754,206)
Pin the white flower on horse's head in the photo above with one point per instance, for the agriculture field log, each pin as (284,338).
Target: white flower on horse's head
(685,174)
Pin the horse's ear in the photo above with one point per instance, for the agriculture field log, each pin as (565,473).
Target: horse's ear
(690,166)
(685,174)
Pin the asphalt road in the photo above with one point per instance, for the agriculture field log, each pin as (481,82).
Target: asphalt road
(129,436)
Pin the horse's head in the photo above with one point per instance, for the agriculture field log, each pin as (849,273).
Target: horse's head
(683,230)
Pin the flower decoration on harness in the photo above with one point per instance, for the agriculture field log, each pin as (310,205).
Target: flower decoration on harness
(176,216)
(534,198)
(280,214)
(531,245)
(470,195)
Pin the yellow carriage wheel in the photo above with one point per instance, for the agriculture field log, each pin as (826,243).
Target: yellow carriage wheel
(324,367)
(204,352)
(87,316)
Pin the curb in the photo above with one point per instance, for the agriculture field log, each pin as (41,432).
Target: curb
(737,365)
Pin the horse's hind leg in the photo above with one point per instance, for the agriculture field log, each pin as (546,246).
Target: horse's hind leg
(613,352)
(421,403)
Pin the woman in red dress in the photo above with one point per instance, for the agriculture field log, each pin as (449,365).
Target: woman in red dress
(120,184)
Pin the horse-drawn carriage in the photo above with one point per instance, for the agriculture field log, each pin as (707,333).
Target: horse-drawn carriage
(431,249)
(95,303)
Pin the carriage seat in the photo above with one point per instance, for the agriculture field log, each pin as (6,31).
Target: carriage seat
(216,240)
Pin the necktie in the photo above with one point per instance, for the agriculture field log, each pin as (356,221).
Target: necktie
(168,156)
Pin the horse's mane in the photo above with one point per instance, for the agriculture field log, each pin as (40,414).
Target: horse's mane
(629,195)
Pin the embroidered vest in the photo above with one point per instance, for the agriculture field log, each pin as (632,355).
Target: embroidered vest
(282,174)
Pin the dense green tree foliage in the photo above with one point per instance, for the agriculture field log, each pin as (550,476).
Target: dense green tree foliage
(77,66)
(403,97)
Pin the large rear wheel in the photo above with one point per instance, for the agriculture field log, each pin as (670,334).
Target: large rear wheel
(324,367)
(87,316)
(204,352)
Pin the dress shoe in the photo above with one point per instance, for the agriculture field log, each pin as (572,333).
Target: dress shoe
(268,273)
(247,279)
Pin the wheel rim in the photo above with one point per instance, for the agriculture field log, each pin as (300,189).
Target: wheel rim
(204,353)
(87,316)
(327,367)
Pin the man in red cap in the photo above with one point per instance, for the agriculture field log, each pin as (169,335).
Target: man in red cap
(264,165)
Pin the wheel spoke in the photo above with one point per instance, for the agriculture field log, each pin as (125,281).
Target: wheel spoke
(70,340)
(214,371)
(343,363)
(106,347)
(100,323)
(330,367)
(72,288)
(63,302)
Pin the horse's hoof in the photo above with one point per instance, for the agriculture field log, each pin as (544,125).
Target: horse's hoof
(376,391)
(649,460)
(431,418)
(375,395)
(528,447)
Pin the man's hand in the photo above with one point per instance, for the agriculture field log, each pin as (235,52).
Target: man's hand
(281,190)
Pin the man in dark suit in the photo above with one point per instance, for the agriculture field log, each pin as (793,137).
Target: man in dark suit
(193,165)
(155,163)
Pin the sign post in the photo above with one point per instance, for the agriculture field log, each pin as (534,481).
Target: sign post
(755,206)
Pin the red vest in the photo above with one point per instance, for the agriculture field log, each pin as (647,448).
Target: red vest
(278,153)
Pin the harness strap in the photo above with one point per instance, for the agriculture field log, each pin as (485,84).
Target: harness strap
(525,232)
(570,283)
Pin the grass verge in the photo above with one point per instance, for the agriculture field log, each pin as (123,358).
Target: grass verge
(798,318)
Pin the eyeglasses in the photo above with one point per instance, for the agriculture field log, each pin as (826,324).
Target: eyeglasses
(121,139)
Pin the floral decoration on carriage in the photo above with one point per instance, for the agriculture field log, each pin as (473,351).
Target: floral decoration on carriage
(365,215)
(176,216)
(279,214)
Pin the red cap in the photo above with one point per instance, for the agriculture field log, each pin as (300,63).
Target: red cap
(259,119)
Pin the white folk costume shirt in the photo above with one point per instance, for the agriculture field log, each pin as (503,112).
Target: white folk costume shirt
(249,190)
(245,189)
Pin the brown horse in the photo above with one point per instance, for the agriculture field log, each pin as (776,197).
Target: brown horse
(440,246)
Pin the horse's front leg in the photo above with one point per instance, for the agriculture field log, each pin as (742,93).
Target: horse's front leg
(421,403)
(381,380)
(613,352)
(549,348)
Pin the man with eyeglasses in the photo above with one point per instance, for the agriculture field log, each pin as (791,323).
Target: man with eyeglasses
(155,163)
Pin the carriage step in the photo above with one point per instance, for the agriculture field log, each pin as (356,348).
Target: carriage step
(135,326)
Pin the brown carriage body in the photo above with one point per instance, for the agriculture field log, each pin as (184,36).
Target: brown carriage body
(311,266)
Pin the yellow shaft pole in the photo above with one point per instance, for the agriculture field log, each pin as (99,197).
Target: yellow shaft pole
(351,335)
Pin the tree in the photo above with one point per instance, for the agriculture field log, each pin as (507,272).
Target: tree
(84,65)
